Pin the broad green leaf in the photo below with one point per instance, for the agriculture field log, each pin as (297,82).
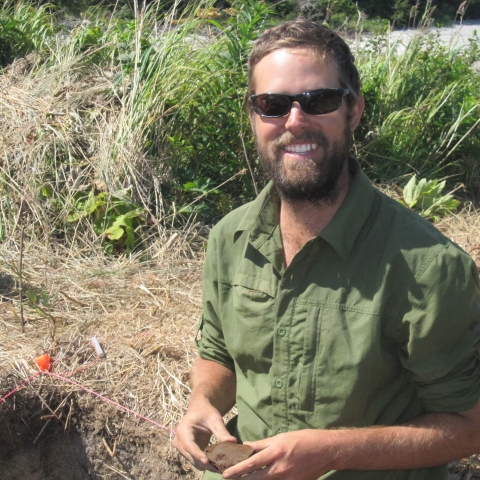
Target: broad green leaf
(32,296)
(409,192)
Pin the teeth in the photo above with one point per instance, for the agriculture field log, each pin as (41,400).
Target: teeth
(306,147)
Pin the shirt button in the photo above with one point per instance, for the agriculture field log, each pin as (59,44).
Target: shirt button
(278,383)
(282,331)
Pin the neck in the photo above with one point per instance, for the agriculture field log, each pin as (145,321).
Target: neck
(302,220)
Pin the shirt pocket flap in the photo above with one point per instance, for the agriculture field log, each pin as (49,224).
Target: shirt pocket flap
(255,282)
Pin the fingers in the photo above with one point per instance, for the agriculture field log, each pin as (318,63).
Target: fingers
(221,433)
(195,456)
(184,442)
(253,464)
(190,440)
(193,435)
(259,445)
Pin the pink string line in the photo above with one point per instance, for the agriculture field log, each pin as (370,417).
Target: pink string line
(102,397)
(105,399)
(28,380)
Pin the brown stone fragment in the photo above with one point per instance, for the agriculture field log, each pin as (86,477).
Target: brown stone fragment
(224,455)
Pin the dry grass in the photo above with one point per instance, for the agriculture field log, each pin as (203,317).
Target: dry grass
(144,314)
(464,229)
(66,133)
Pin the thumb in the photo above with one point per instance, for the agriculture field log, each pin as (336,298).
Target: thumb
(221,433)
(259,444)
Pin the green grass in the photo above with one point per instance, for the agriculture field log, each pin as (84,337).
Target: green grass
(422,110)
(130,126)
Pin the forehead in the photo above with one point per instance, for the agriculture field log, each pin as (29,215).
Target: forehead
(294,71)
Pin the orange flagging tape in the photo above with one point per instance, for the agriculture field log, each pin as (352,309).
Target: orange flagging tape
(44,362)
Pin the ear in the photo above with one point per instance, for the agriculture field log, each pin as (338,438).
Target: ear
(356,112)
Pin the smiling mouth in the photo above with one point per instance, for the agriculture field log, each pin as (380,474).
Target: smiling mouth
(300,148)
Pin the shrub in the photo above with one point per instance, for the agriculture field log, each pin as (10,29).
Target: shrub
(422,110)
(23,28)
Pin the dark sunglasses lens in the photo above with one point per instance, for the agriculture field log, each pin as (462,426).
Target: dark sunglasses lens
(273,105)
(322,102)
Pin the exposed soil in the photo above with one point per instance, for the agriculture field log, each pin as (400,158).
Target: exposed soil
(87,441)
(145,316)
(91,440)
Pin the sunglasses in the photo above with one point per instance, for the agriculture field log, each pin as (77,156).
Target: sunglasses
(314,102)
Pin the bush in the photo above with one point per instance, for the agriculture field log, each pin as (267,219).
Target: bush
(23,28)
(129,126)
(422,110)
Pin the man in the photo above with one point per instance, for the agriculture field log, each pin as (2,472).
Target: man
(344,327)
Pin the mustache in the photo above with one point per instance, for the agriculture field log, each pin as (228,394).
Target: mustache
(308,136)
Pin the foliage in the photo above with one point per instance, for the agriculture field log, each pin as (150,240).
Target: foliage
(113,216)
(213,123)
(23,28)
(422,110)
(400,13)
(139,106)
(425,197)
(129,125)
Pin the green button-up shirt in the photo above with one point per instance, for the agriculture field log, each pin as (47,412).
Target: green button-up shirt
(375,321)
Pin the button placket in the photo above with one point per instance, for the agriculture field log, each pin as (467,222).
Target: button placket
(280,366)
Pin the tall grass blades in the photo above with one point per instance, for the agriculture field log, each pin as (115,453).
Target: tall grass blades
(103,136)
(126,126)
(210,134)
(23,28)
(422,110)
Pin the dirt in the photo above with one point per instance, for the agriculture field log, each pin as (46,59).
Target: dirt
(79,444)
(89,440)
(224,455)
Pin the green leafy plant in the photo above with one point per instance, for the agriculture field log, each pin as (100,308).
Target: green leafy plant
(114,217)
(23,29)
(425,197)
(422,109)
(196,190)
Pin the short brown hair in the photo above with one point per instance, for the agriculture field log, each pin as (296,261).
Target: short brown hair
(306,34)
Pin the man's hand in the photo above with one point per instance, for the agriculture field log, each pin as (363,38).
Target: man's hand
(300,455)
(429,440)
(194,432)
(213,395)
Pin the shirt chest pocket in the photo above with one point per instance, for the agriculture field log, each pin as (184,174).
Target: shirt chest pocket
(306,331)
(253,312)
(345,363)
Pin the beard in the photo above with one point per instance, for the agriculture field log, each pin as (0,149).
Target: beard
(314,180)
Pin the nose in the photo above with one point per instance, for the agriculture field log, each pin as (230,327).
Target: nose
(297,119)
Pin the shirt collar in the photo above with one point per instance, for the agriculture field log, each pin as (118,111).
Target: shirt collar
(344,227)
(261,220)
(262,216)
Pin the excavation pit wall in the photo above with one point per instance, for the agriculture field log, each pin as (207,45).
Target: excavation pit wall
(48,435)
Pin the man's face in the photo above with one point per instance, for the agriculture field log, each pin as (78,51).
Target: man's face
(304,154)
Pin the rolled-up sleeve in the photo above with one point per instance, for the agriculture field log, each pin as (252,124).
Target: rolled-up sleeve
(210,338)
(441,333)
